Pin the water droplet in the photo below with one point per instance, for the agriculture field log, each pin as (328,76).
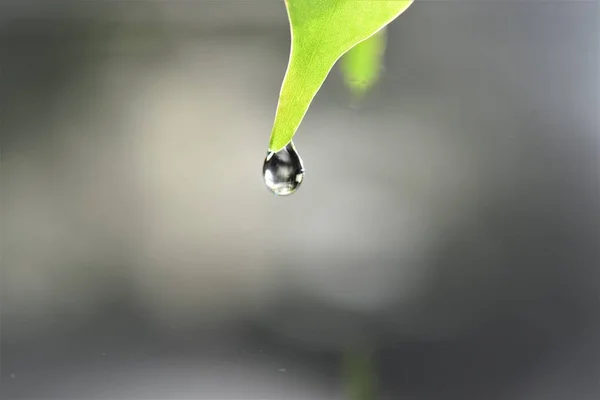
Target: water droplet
(283,171)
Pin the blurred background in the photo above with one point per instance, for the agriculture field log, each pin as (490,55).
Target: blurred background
(450,226)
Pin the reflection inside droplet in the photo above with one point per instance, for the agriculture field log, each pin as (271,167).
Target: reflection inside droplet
(283,171)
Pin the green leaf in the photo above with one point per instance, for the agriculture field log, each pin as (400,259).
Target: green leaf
(361,66)
(322,31)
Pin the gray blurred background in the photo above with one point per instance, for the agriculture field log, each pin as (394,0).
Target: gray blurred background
(451,224)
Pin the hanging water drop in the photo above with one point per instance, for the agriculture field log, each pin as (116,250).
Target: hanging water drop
(283,171)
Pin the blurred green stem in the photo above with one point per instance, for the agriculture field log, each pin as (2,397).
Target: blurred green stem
(359,374)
